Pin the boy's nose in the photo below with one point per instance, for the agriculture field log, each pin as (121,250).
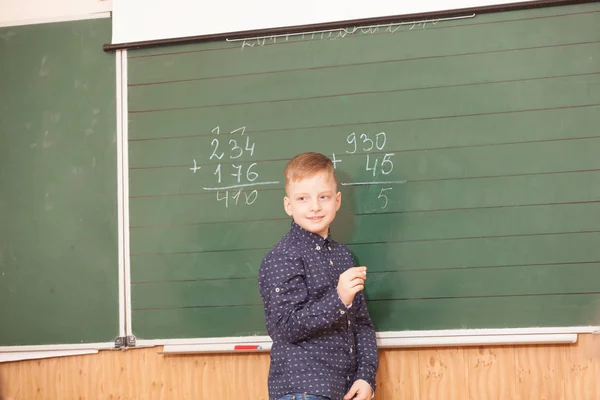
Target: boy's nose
(315,205)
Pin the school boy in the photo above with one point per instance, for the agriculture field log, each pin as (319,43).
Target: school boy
(324,343)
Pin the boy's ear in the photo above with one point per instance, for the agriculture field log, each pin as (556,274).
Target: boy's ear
(287,206)
(338,201)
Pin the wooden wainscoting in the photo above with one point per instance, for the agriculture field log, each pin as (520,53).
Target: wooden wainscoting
(561,372)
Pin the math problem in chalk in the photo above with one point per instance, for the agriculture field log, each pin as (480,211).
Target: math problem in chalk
(237,184)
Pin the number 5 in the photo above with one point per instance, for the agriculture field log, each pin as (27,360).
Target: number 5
(385,199)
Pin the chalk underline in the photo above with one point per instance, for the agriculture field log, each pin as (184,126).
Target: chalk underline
(372,183)
(243,185)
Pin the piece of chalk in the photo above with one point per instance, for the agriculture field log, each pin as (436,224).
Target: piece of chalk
(247,347)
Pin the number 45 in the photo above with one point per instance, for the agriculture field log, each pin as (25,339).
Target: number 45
(386,166)
(384,197)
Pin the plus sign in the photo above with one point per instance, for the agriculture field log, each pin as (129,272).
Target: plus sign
(195,167)
(334,161)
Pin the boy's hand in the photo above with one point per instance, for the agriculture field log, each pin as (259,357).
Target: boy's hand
(360,390)
(351,282)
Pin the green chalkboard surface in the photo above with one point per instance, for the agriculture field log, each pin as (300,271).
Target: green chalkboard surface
(468,151)
(58,185)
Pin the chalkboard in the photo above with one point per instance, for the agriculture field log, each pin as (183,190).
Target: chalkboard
(468,153)
(58,185)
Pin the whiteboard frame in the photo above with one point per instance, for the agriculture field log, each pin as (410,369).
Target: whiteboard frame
(124,191)
(396,339)
(36,355)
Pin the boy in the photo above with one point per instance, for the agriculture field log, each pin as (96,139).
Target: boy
(324,343)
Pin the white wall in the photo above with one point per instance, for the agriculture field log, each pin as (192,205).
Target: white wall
(23,12)
(144,20)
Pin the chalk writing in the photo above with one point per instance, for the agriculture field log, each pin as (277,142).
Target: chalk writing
(371,145)
(245,175)
(333,34)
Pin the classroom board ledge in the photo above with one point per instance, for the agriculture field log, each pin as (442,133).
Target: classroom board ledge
(21,353)
(400,339)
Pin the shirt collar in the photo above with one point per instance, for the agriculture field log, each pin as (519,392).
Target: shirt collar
(309,237)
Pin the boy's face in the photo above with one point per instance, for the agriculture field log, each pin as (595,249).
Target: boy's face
(313,202)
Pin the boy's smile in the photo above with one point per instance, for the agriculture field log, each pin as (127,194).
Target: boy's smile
(313,202)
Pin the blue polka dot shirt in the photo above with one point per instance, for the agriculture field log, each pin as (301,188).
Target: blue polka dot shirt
(320,346)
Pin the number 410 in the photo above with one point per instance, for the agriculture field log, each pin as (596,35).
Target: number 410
(250,197)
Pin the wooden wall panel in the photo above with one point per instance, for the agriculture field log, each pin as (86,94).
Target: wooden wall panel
(490,373)
(10,379)
(541,372)
(583,369)
(42,379)
(569,372)
(398,376)
(442,374)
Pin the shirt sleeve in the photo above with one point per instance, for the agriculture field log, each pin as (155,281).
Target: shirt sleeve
(366,344)
(290,314)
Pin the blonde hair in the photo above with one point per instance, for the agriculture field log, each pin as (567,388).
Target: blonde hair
(306,165)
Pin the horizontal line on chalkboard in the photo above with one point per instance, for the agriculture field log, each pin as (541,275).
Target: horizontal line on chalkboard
(485,267)
(372,183)
(483,296)
(365,93)
(168,226)
(188,307)
(241,185)
(210,223)
(359,64)
(231,278)
(371,300)
(433,27)
(409,181)
(253,277)
(480,208)
(473,237)
(247,132)
(371,243)
(425,149)
(461,178)
(181,253)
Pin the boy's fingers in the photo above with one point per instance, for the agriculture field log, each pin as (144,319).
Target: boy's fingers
(356,282)
(352,392)
(354,272)
(361,277)
(357,274)
(357,288)
(357,269)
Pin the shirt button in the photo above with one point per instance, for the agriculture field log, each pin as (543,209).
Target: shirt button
(350,349)
(330,262)
(277,289)
(318,247)
(342,312)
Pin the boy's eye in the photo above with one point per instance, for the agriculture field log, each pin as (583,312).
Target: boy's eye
(324,197)
(302,198)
